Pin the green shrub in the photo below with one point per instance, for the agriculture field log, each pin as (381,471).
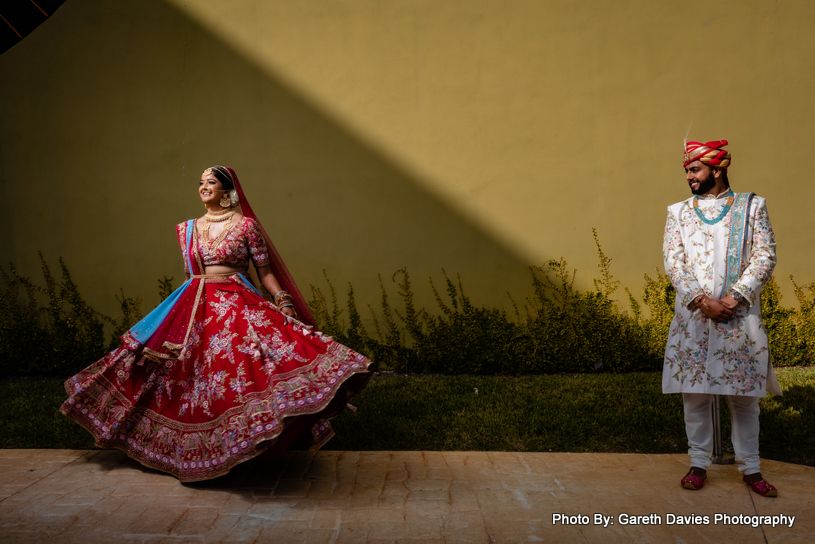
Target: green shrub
(55,336)
(791,331)
(558,329)
(49,329)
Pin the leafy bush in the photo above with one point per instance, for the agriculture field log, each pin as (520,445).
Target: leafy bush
(58,337)
(791,331)
(557,329)
(49,330)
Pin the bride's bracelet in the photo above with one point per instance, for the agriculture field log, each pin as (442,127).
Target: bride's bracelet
(282,299)
(280,296)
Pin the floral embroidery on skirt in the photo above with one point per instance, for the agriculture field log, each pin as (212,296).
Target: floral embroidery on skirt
(242,383)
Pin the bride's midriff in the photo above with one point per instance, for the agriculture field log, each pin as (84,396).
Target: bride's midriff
(224,269)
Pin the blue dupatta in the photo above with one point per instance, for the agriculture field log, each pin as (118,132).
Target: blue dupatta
(737,256)
(144,329)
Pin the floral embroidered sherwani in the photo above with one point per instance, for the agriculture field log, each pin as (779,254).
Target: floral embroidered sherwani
(703,356)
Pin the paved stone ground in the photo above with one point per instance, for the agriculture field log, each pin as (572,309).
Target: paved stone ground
(59,496)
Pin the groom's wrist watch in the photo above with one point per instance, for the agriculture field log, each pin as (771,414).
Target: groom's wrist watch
(738,296)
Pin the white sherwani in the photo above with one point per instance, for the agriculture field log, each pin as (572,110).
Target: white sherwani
(703,356)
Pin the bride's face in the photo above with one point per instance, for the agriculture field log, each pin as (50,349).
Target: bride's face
(209,188)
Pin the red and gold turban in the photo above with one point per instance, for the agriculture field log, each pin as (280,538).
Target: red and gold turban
(710,153)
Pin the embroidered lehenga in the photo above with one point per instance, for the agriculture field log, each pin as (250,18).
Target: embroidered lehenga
(215,375)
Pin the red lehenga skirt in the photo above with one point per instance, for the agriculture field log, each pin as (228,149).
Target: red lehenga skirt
(243,382)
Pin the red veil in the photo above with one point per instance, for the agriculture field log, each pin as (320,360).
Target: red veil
(284,277)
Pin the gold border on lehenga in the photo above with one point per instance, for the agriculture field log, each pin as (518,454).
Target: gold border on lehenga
(265,395)
(200,290)
(195,305)
(156,356)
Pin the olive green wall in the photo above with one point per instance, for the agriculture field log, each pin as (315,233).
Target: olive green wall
(478,137)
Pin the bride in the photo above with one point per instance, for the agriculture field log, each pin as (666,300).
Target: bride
(216,374)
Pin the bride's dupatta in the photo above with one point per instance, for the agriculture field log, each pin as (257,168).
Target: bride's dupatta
(164,331)
(279,269)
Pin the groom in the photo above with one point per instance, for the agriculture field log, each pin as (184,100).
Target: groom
(719,251)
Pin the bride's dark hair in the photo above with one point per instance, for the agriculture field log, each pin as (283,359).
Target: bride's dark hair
(223,175)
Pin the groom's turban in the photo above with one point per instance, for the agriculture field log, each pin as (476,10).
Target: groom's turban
(710,154)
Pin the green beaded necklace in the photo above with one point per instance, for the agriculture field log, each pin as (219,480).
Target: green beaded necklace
(725,209)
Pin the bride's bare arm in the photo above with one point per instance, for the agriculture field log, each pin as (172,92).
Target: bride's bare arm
(271,284)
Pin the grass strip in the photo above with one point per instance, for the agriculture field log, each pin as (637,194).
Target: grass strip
(624,413)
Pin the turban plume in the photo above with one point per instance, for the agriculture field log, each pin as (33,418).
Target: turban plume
(710,154)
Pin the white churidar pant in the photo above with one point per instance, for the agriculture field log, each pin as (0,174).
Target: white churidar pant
(699,426)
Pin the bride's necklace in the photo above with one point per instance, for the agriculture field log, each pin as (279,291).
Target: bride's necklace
(217,217)
(727,205)
(210,218)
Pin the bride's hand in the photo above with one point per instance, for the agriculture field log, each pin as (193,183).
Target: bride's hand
(289,313)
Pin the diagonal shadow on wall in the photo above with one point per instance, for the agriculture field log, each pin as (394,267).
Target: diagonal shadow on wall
(328,199)
(334,186)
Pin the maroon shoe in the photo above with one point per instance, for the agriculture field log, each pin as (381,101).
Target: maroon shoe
(762,487)
(694,479)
